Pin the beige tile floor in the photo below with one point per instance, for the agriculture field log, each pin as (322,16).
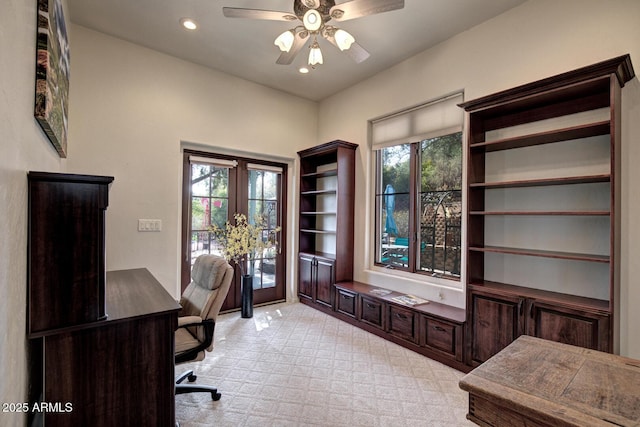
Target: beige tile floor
(291,365)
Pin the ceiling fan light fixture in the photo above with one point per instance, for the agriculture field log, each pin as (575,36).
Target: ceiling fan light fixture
(315,54)
(344,40)
(312,20)
(285,41)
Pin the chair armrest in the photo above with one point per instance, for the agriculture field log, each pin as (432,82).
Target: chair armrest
(209,326)
(189,320)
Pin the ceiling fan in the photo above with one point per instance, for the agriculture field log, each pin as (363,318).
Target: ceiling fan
(313,18)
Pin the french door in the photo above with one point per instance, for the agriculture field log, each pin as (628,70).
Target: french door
(214,189)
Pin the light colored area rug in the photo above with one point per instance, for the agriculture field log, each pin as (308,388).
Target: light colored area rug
(291,365)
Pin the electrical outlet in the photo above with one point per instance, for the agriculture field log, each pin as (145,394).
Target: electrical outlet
(149,225)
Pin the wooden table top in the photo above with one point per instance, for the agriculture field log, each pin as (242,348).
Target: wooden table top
(136,293)
(560,383)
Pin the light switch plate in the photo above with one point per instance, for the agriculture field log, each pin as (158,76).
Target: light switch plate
(149,225)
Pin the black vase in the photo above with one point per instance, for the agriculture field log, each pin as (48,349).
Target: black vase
(246,295)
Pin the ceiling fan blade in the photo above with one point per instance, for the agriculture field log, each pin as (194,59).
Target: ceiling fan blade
(355,52)
(358,8)
(300,40)
(271,15)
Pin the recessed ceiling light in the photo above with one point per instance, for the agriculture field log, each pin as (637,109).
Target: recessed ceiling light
(188,23)
(304,70)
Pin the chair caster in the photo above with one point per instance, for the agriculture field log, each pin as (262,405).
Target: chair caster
(215,396)
(191,378)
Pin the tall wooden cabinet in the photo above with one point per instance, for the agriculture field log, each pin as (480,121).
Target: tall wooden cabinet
(327,192)
(66,270)
(544,211)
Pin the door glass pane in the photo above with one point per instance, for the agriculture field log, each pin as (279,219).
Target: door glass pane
(263,203)
(209,205)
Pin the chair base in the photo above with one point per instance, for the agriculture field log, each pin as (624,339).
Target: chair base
(194,388)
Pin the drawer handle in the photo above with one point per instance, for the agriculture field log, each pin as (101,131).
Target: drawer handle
(370,305)
(345,296)
(439,329)
(401,316)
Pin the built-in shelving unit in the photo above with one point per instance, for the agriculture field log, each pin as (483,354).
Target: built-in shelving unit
(327,190)
(543,210)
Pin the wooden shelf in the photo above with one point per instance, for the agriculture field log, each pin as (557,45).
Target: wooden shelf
(318,192)
(541,253)
(318,213)
(543,182)
(541,213)
(322,174)
(557,135)
(313,231)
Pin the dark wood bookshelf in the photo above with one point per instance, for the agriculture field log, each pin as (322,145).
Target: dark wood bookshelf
(327,192)
(497,313)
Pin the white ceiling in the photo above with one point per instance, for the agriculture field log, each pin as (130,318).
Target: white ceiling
(245,48)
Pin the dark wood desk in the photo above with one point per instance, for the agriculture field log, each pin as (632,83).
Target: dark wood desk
(118,371)
(534,382)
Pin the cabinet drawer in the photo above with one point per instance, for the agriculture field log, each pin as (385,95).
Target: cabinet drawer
(439,335)
(346,302)
(371,312)
(402,323)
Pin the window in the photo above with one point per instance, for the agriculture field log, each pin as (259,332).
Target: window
(418,191)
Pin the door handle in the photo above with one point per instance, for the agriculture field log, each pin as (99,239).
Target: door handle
(520,303)
(531,309)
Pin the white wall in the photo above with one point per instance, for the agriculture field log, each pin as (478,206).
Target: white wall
(23,147)
(538,39)
(130,109)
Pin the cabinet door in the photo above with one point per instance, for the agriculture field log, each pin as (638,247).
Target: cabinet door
(346,302)
(372,311)
(305,276)
(441,336)
(324,281)
(495,321)
(402,323)
(576,327)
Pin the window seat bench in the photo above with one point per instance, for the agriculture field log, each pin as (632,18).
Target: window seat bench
(432,329)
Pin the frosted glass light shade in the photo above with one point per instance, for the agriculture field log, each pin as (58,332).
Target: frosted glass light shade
(315,55)
(285,41)
(343,39)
